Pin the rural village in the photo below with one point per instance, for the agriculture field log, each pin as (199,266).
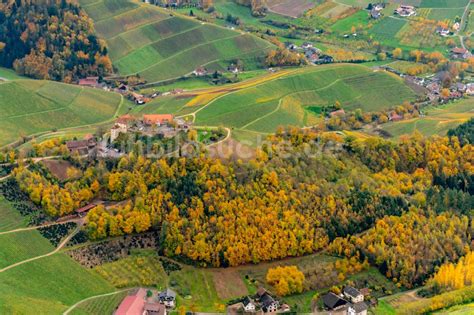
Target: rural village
(237,157)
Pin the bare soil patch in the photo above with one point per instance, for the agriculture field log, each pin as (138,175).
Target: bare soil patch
(228,283)
(59,168)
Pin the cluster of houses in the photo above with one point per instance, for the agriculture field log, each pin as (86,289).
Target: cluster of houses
(434,85)
(139,99)
(261,302)
(313,54)
(405,10)
(349,302)
(165,125)
(147,302)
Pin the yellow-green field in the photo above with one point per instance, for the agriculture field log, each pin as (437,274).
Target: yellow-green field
(287,100)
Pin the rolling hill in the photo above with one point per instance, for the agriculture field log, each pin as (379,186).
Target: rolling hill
(29,107)
(147,40)
(295,99)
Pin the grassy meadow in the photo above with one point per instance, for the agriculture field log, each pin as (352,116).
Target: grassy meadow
(29,107)
(22,245)
(50,285)
(286,100)
(10,219)
(158,45)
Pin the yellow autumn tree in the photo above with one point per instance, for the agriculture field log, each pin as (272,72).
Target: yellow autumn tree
(456,276)
(397,53)
(286,280)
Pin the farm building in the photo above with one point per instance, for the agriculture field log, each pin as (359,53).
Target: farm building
(337,113)
(84,210)
(267,302)
(375,14)
(138,98)
(456,26)
(405,10)
(442,31)
(89,81)
(199,72)
(332,302)
(359,308)
(470,89)
(168,298)
(350,302)
(137,303)
(353,294)
(80,146)
(460,53)
(248,304)
(393,116)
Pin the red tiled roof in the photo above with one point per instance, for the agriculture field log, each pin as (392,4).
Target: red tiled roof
(86,208)
(125,119)
(132,304)
(459,50)
(89,81)
(338,112)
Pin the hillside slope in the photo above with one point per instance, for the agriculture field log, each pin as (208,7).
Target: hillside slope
(147,40)
(297,99)
(28,107)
